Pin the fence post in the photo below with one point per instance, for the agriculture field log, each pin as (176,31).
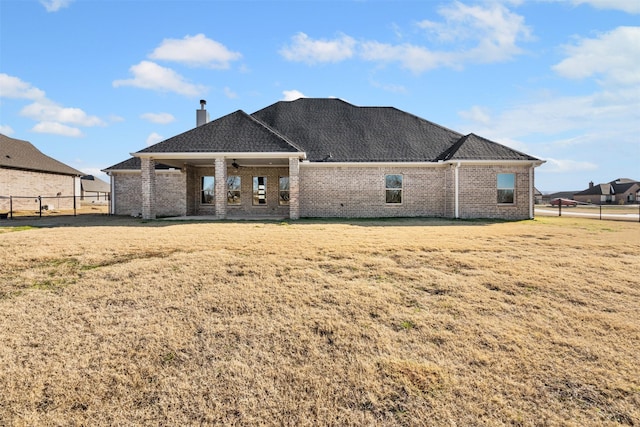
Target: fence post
(40,205)
(74,205)
(559,207)
(600,212)
(11,207)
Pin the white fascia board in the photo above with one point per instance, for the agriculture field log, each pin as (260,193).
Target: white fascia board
(438,164)
(372,164)
(533,163)
(132,171)
(230,155)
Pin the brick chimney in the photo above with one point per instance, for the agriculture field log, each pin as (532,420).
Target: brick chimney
(590,184)
(202,116)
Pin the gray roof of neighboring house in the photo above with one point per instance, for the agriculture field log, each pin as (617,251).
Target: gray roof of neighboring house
(94,185)
(19,154)
(332,130)
(618,186)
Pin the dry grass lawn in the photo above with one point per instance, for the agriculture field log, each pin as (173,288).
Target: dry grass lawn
(397,322)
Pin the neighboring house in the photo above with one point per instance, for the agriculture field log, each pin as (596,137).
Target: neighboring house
(620,191)
(94,189)
(26,173)
(324,158)
(537,196)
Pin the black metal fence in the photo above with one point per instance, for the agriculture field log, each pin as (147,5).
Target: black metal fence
(12,206)
(611,212)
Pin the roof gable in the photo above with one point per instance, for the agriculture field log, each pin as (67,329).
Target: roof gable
(19,154)
(236,132)
(474,147)
(133,164)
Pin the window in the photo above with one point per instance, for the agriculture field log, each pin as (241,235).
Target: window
(506,188)
(207,190)
(259,190)
(393,184)
(233,190)
(283,187)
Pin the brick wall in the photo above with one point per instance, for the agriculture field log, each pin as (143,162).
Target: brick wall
(170,187)
(353,192)
(478,192)
(427,191)
(339,191)
(32,184)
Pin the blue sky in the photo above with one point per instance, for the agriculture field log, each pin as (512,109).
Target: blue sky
(88,82)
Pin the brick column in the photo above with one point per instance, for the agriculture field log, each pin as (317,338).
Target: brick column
(221,188)
(148,188)
(294,188)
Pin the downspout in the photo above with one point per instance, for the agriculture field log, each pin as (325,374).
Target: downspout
(531,195)
(457,192)
(112,199)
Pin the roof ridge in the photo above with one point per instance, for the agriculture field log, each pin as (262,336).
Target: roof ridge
(453,149)
(273,131)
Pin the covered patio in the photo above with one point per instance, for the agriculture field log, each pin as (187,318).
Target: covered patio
(226,185)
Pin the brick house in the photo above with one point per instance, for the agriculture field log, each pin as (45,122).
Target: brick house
(26,173)
(324,158)
(93,189)
(620,191)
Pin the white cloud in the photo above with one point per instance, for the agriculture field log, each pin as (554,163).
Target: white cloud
(55,5)
(598,113)
(57,129)
(481,34)
(154,138)
(50,115)
(304,49)
(613,55)
(48,111)
(478,34)
(629,6)
(13,87)
(6,130)
(159,118)
(488,33)
(388,87)
(229,93)
(195,51)
(149,75)
(567,165)
(477,114)
(415,58)
(292,95)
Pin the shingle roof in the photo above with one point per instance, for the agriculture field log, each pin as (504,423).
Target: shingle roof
(19,154)
(133,163)
(93,184)
(334,130)
(235,132)
(474,147)
(617,186)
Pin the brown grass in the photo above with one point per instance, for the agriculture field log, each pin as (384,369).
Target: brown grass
(398,322)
